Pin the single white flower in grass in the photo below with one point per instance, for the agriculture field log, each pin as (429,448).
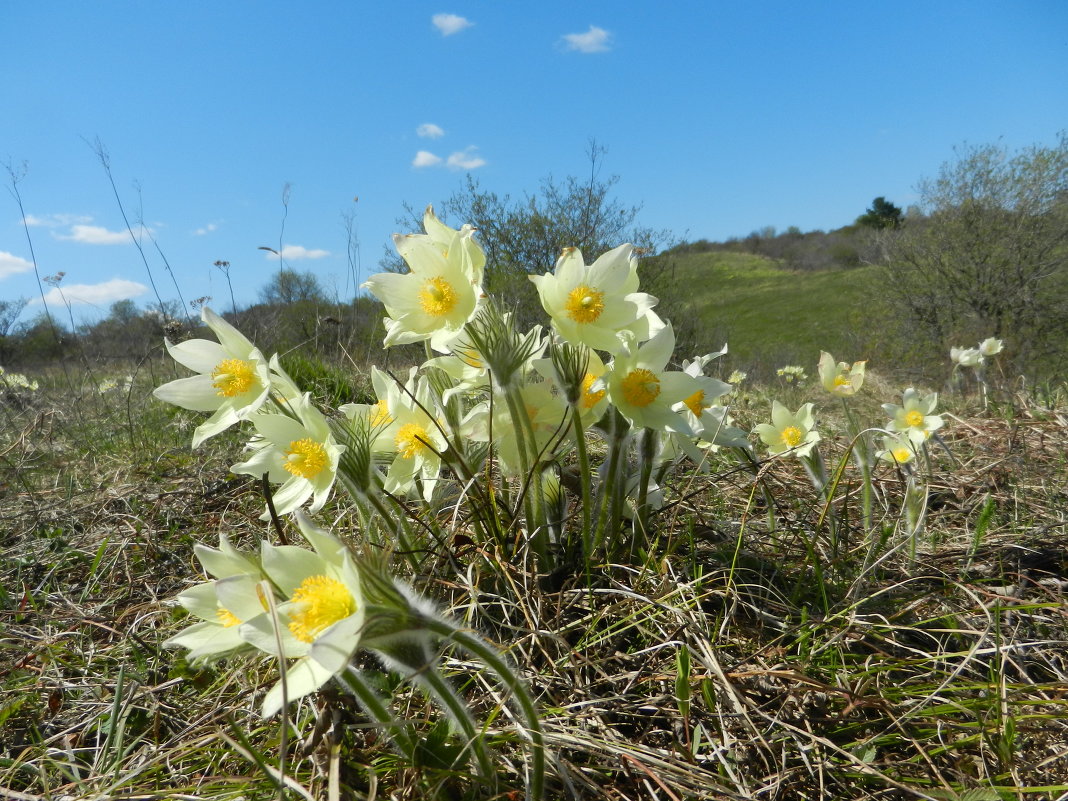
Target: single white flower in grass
(644,391)
(897,450)
(792,433)
(915,416)
(707,390)
(966,357)
(221,605)
(436,298)
(300,454)
(232,378)
(990,346)
(839,378)
(591,304)
(320,618)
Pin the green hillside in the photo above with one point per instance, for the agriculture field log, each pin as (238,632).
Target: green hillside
(771,316)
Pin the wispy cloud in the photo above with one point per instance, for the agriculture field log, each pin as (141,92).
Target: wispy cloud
(429,130)
(95,235)
(205,230)
(298,253)
(449,24)
(595,40)
(465,159)
(424,158)
(10,264)
(55,220)
(93,294)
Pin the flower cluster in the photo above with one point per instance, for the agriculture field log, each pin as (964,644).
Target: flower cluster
(974,357)
(17,382)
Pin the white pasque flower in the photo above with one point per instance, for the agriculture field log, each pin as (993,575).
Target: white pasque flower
(644,391)
(839,378)
(221,605)
(320,618)
(990,346)
(897,450)
(545,408)
(915,416)
(417,439)
(233,378)
(789,432)
(591,304)
(966,357)
(298,453)
(440,293)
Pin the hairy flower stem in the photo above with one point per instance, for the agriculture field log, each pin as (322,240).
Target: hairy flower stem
(862,457)
(533,498)
(584,483)
(612,487)
(641,518)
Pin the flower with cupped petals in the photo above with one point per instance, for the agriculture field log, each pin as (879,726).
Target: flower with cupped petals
(966,357)
(898,450)
(915,417)
(436,298)
(990,346)
(591,303)
(417,438)
(233,379)
(839,378)
(642,388)
(320,617)
(792,433)
(299,453)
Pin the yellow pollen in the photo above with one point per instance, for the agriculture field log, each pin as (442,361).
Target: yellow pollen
(901,455)
(227,618)
(590,398)
(305,458)
(411,439)
(842,380)
(914,418)
(584,304)
(696,402)
(323,602)
(380,414)
(437,297)
(641,387)
(791,436)
(232,377)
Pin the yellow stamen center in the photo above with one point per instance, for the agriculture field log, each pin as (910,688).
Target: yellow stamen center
(411,439)
(324,601)
(232,377)
(584,304)
(791,436)
(590,398)
(696,403)
(380,414)
(305,458)
(901,455)
(914,418)
(226,617)
(641,387)
(437,297)
(842,380)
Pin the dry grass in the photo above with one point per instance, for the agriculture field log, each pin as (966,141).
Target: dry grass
(742,658)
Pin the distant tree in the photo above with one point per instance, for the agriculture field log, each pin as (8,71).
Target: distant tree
(989,256)
(9,312)
(881,214)
(289,286)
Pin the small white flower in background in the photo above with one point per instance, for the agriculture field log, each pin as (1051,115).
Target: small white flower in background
(320,619)
(300,454)
(737,377)
(915,416)
(436,298)
(17,381)
(966,357)
(839,378)
(791,373)
(591,303)
(897,450)
(232,378)
(789,432)
(990,346)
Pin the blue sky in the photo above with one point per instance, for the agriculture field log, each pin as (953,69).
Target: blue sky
(719,118)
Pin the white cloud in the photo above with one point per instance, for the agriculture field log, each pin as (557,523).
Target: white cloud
(95,235)
(10,264)
(429,130)
(93,294)
(207,229)
(424,158)
(449,24)
(55,220)
(595,40)
(298,252)
(465,159)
